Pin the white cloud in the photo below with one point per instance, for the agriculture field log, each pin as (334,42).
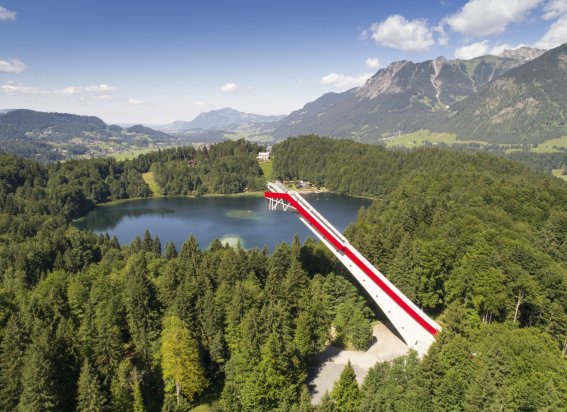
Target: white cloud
(442,38)
(344,82)
(11,88)
(487,17)
(12,66)
(100,90)
(399,33)
(554,9)
(472,50)
(229,87)
(6,14)
(555,36)
(93,89)
(482,48)
(135,102)
(199,103)
(372,63)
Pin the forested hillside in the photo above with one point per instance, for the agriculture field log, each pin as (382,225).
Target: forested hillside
(228,167)
(479,242)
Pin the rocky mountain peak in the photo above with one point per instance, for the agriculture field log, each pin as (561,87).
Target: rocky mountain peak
(522,53)
(382,81)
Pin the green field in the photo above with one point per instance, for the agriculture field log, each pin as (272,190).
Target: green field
(267,167)
(151,182)
(551,146)
(132,153)
(417,139)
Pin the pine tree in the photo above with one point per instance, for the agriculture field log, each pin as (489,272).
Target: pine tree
(170,250)
(346,393)
(38,393)
(139,300)
(136,244)
(89,395)
(180,359)
(147,243)
(120,388)
(327,404)
(138,401)
(12,352)
(305,404)
(156,245)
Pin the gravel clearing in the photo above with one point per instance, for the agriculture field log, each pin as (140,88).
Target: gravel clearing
(328,365)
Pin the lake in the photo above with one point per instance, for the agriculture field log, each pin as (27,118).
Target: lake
(228,218)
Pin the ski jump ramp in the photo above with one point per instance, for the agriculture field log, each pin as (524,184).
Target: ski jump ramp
(416,328)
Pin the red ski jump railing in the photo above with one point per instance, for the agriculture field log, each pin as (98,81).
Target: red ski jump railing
(346,249)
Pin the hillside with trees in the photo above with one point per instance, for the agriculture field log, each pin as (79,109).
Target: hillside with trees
(478,241)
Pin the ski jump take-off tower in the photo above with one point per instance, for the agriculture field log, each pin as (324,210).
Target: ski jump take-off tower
(416,328)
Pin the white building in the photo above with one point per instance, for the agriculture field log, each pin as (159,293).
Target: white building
(263,156)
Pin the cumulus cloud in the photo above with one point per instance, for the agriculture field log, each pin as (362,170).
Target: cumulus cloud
(372,63)
(100,90)
(399,33)
(11,88)
(482,48)
(554,9)
(472,50)
(135,102)
(555,36)
(94,89)
(442,37)
(344,82)
(487,17)
(12,66)
(229,87)
(6,14)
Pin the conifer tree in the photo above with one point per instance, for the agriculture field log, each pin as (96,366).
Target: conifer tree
(327,404)
(139,300)
(38,393)
(156,245)
(89,395)
(12,351)
(170,250)
(180,359)
(147,243)
(346,393)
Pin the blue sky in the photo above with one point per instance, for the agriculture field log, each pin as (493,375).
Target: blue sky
(156,62)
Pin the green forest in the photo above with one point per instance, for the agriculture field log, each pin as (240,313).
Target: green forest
(87,324)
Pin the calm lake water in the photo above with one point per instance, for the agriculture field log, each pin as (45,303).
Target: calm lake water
(230,219)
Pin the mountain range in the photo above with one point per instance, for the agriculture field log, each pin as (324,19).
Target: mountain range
(517,97)
(56,136)
(221,119)
(527,104)
(406,96)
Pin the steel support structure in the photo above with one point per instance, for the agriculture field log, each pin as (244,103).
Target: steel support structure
(416,328)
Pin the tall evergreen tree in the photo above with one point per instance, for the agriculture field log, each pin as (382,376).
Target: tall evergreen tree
(180,359)
(38,383)
(346,393)
(170,250)
(12,351)
(90,398)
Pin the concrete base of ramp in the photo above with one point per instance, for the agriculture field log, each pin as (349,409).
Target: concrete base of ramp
(328,365)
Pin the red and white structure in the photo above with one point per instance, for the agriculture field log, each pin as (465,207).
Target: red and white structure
(416,328)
